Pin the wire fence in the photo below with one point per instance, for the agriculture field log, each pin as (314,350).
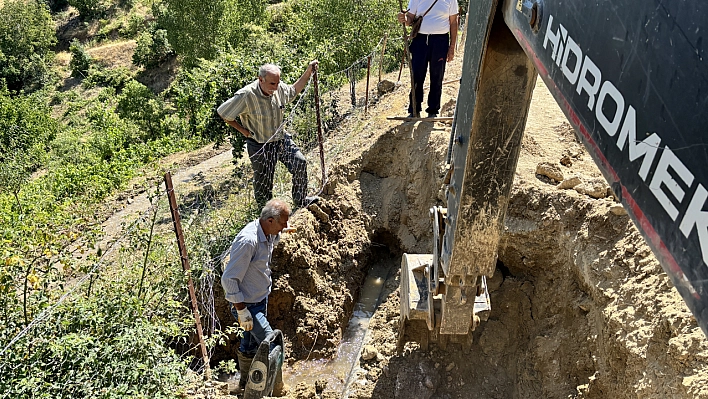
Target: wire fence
(124,321)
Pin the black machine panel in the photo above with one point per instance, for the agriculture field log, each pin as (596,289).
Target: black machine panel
(632,78)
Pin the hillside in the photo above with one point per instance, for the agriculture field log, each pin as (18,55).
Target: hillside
(581,308)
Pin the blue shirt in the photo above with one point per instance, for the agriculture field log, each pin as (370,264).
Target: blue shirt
(246,276)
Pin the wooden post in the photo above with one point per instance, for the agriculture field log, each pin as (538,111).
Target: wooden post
(368,72)
(383,50)
(185,266)
(319,126)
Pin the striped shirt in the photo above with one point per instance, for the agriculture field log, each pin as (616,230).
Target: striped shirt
(246,276)
(260,114)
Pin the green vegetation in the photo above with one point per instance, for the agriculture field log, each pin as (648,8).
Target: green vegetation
(26,39)
(122,328)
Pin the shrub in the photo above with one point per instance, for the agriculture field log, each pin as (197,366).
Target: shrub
(89,9)
(140,105)
(26,128)
(26,40)
(132,26)
(80,59)
(152,48)
(114,77)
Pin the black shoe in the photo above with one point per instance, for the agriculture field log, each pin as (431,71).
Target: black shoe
(432,114)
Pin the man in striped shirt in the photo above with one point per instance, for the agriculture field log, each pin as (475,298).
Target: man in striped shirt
(259,106)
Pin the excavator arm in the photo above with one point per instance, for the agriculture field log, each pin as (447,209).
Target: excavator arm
(631,77)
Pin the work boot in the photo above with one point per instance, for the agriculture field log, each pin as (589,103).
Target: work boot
(244,364)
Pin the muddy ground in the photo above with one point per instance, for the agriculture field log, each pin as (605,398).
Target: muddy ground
(580,306)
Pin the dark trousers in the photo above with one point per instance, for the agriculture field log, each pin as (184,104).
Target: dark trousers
(264,157)
(428,50)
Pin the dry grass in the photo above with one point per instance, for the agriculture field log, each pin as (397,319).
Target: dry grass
(114,54)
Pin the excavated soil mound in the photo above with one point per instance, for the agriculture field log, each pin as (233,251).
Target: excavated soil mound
(580,306)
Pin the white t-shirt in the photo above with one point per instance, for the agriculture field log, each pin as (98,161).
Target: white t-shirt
(438,19)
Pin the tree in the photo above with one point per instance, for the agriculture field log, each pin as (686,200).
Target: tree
(26,38)
(198,29)
(26,127)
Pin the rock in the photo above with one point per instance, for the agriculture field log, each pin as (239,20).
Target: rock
(618,210)
(570,182)
(450,367)
(596,188)
(495,281)
(566,161)
(369,352)
(549,170)
(385,86)
(130,201)
(320,385)
(416,381)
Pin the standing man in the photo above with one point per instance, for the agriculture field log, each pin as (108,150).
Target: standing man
(433,46)
(260,106)
(247,282)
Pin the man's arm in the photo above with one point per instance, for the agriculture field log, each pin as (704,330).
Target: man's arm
(230,109)
(240,255)
(238,127)
(453,37)
(300,84)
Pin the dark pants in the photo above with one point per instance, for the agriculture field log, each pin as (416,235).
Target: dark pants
(264,157)
(428,50)
(261,327)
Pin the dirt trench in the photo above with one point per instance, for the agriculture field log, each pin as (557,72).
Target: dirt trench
(580,306)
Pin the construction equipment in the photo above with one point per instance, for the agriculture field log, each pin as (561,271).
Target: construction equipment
(631,77)
(266,368)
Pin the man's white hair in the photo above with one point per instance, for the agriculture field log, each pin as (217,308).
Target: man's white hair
(268,68)
(274,208)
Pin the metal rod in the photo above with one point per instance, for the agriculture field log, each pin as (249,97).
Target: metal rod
(185,266)
(403,61)
(383,50)
(319,125)
(368,72)
(414,104)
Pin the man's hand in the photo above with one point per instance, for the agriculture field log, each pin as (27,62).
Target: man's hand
(245,319)
(300,84)
(450,53)
(402,17)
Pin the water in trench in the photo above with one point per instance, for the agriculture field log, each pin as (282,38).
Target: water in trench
(338,370)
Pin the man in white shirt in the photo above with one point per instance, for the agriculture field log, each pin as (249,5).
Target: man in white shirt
(432,47)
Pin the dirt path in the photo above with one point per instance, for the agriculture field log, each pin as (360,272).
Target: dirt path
(190,171)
